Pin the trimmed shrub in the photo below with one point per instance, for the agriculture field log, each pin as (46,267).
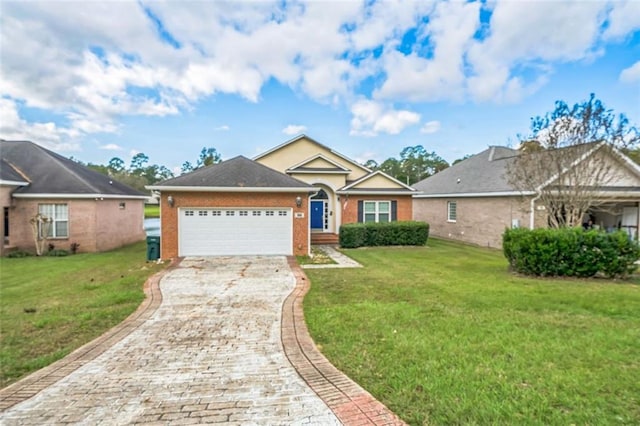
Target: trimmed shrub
(17,254)
(58,253)
(405,233)
(570,252)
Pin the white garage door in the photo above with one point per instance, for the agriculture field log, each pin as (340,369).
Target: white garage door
(214,232)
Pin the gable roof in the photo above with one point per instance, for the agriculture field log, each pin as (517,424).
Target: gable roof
(303,136)
(54,176)
(236,174)
(486,174)
(310,165)
(356,187)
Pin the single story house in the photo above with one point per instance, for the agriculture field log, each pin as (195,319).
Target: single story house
(86,207)
(473,200)
(281,202)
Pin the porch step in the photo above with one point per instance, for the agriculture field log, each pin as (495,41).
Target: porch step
(324,238)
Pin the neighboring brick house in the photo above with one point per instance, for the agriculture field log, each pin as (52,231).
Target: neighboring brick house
(87,208)
(278,203)
(473,201)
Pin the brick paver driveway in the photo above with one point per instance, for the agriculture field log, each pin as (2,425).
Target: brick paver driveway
(210,353)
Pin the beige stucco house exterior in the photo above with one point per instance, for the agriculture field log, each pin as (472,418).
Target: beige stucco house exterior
(473,201)
(87,208)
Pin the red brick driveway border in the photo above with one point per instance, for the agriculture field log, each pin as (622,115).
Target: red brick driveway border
(350,403)
(47,376)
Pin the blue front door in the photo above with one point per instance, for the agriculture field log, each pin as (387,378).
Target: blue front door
(317,214)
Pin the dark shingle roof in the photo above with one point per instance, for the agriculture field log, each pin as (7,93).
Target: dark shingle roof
(8,173)
(50,173)
(238,172)
(482,173)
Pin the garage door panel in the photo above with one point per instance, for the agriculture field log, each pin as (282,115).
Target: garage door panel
(212,232)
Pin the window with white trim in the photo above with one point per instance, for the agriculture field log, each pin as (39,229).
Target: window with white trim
(452,211)
(59,214)
(377,211)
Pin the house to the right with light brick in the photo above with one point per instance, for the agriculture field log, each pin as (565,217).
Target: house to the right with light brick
(473,200)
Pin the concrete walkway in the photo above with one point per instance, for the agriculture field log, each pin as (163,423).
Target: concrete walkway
(217,345)
(341,260)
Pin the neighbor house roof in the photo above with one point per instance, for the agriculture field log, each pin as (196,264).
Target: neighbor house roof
(482,174)
(486,174)
(53,176)
(236,174)
(10,176)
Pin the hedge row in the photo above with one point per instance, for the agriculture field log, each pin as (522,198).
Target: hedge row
(405,233)
(570,252)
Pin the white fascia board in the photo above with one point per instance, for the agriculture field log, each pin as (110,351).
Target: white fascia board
(227,189)
(318,172)
(368,192)
(13,183)
(315,157)
(83,196)
(475,194)
(377,172)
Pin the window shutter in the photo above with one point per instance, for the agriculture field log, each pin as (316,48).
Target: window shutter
(360,211)
(394,210)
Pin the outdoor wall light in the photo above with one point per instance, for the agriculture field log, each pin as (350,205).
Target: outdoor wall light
(170,201)
(299,201)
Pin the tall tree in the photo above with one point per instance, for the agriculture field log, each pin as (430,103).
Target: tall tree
(372,165)
(568,166)
(417,164)
(208,156)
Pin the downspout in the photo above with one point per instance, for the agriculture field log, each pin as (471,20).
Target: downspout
(532,213)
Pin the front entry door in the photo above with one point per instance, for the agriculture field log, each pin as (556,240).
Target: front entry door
(317,214)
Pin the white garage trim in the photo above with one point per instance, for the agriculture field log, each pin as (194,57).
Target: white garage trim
(235,231)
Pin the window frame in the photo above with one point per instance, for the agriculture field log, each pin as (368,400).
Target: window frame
(53,228)
(376,211)
(451,219)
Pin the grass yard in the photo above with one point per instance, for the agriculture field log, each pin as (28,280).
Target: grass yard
(151,211)
(443,334)
(50,306)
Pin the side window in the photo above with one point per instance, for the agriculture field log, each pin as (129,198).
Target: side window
(452,211)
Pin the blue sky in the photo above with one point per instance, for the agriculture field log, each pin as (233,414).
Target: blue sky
(96,80)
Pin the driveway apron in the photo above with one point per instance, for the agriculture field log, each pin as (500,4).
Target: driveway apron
(211,353)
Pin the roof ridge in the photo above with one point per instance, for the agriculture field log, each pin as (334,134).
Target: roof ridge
(59,159)
(18,170)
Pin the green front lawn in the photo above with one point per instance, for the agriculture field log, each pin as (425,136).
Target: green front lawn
(50,306)
(443,334)
(151,211)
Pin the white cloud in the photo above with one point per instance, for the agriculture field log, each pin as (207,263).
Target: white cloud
(371,118)
(222,128)
(624,18)
(530,36)
(94,63)
(631,74)
(294,129)
(48,134)
(112,147)
(430,127)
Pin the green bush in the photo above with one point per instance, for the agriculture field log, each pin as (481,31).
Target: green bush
(570,252)
(406,233)
(17,254)
(57,253)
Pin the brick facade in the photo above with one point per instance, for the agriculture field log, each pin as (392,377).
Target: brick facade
(97,225)
(479,221)
(349,205)
(169,215)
